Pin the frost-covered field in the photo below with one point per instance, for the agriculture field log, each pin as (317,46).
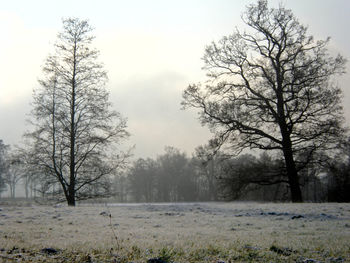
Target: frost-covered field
(189,232)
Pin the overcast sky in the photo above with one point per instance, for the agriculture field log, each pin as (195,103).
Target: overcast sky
(151,49)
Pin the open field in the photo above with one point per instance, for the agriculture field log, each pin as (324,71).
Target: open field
(189,232)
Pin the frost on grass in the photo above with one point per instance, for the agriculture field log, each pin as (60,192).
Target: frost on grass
(190,232)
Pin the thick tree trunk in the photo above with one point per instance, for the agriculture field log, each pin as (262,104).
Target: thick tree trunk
(71,199)
(70,196)
(287,147)
(292,173)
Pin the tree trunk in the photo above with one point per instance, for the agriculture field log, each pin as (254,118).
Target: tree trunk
(71,196)
(292,175)
(211,185)
(71,201)
(13,191)
(26,187)
(71,188)
(292,172)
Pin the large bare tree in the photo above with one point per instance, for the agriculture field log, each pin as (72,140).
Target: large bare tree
(75,131)
(271,87)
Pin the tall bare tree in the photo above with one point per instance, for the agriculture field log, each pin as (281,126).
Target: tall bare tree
(75,131)
(271,88)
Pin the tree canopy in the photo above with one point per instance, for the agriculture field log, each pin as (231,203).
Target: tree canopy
(271,87)
(75,130)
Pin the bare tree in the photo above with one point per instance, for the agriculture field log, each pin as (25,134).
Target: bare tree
(27,181)
(271,88)
(172,177)
(15,172)
(120,185)
(75,137)
(207,166)
(141,179)
(3,165)
(338,175)
(175,181)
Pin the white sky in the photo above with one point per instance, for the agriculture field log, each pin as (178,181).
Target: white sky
(151,49)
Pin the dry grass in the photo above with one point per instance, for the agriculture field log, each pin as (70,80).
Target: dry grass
(203,232)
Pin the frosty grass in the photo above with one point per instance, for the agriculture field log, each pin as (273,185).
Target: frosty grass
(183,232)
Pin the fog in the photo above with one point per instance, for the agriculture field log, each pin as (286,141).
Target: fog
(151,52)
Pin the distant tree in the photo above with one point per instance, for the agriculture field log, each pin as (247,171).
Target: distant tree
(260,178)
(27,181)
(120,185)
(171,177)
(141,177)
(338,175)
(175,180)
(15,172)
(271,88)
(207,169)
(3,165)
(75,131)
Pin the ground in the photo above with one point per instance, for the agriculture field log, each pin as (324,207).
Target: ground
(183,232)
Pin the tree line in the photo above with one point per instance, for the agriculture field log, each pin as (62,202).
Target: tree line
(175,177)
(271,89)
